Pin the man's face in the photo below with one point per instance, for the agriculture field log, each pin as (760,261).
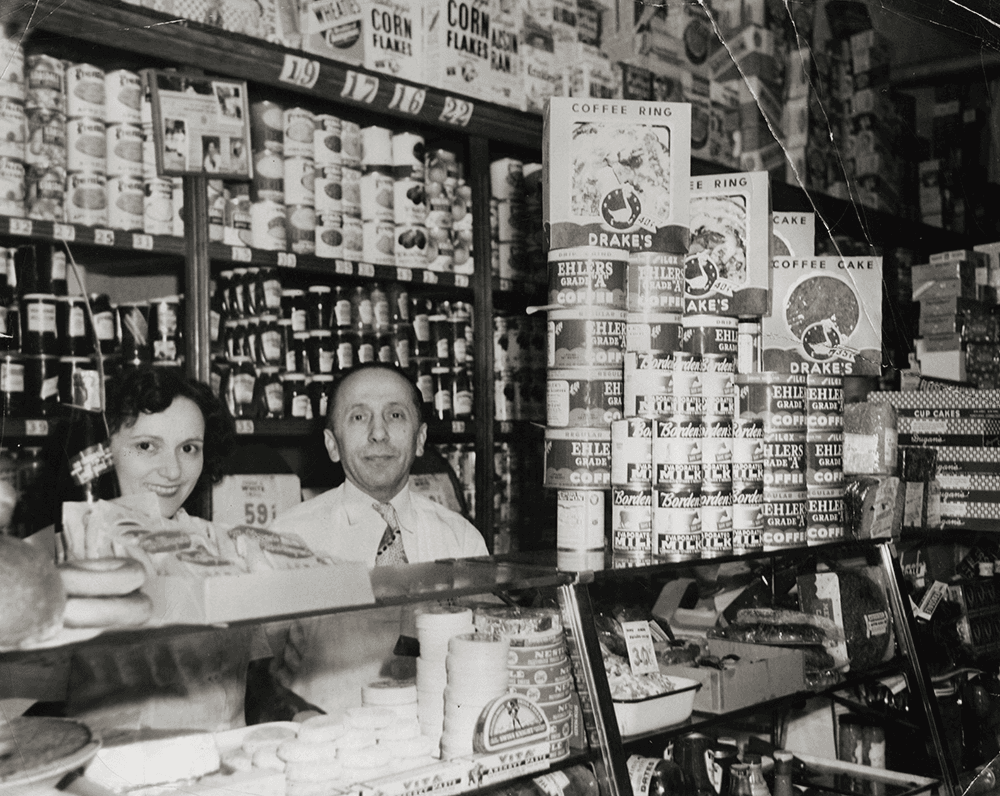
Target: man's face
(377,432)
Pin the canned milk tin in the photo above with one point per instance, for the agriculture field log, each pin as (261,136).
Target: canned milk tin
(377,195)
(779,399)
(158,206)
(655,282)
(268,182)
(577,458)
(825,461)
(326,183)
(87,199)
(579,520)
(631,451)
(677,523)
(689,398)
(12,125)
(85,91)
(326,140)
(587,397)
(631,520)
(268,226)
(123,143)
(299,128)
(824,402)
(718,390)
(330,235)
(353,231)
(300,229)
(126,201)
(748,520)
(378,242)
(300,182)
(784,521)
(86,145)
(122,97)
(677,452)
(785,462)
(649,385)
(748,452)
(717,450)
(648,332)
(824,518)
(716,522)
(350,190)
(587,276)
(586,337)
(267,126)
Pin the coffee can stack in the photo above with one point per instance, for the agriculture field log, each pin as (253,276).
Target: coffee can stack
(329,204)
(586,346)
(509,212)
(45,158)
(409,205)
(268,223)
(824,403)
(777,402)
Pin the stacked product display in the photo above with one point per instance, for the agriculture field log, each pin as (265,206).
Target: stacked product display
(518,250)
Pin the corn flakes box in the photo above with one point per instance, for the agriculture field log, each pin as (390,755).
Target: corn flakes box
(457,45)
(826,316)
(617,174)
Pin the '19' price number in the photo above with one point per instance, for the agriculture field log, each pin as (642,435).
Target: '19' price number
(260,514)
(457,111)
(360,88)
(407,99)
(299,71)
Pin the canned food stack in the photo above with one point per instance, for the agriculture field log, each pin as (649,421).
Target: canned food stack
(506,496)
(86,147)
(442,176)
(350,174)
(775,404)
(508,216)
(535,246)
(442,356)
(409,206)
(461,232)
(477,673)
(519,374)
(268,223)
(538,664)
(163,197)
(299,177)
(824,401)
(45,157)
(586,345)
(329,162)
(13,126)
(124,146)
(236,214)
(436,626)
(378,228)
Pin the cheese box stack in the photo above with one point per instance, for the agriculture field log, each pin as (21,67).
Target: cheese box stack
(477,674)
(538,664)
(957,329)
(963,426)
(436,626)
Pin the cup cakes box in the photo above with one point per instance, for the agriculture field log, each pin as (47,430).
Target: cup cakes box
(826,316)
(727,267)
(617,174)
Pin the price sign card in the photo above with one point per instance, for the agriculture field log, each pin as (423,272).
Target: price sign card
(200,124)
(254,499)
(639,641)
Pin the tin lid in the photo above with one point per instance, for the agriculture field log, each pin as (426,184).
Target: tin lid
(319,333)
(293,292)
(293,377)
(317,289)
(323,377)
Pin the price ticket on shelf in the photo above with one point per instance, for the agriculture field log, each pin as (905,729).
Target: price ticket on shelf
(639,641)
(200,124)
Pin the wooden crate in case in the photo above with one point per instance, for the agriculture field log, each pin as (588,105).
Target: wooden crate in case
(762,673)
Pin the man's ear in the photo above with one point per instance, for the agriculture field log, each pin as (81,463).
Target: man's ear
(331,444)
(421,439)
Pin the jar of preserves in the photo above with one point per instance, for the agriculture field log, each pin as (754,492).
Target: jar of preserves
(321,351)
(242,387)
(361,309)
(346,349)
(341,307)
(287,343)
(270,397)
(381,312)
(270,342)
(320,389)
(319,303)
(293,306)
(399,302)
(425,380)
(300,349)
(297,403)
(271,287)
(238,293)
(442,381)
(223,290)
(232,339)
(441,339)
(461,394)
(366,346)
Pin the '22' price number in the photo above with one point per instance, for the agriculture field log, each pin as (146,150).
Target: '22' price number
(360,88)
(260,514)
(457,111)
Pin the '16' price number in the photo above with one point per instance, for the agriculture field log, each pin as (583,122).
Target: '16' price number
(407,99)
(260,514)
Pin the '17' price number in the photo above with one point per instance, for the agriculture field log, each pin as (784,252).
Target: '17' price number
(360,88)
(260,514)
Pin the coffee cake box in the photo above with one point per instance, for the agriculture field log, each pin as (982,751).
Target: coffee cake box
(617,174)
(727,267)
(793,234)
(826,316)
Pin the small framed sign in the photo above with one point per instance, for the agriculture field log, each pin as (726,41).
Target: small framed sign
(200,125)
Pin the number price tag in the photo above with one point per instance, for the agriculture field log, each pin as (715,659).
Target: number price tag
(366,269)
(286,259)
(36,428)
(299,71)
(104,237)
(244,426)
(407,99)
(21,226)
(430,278)
(404,274)
(253,499)
(66,232)
(242,254)
(461,280)
(457,111)
(344,267)
(457,426)
(360,88)
(639,642)
(143,242)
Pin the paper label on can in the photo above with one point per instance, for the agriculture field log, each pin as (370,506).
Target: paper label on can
(824,519)
(585,342)
(824,404)
(41,317)
(784,522)
(631,519)
(655,283)
(587,277)
(577,458)
(11,377)
(716,522)
(579,519)
(825,460)
(784,464)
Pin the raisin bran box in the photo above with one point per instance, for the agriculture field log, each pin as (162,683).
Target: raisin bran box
(617,174)
(727,267)
(826,316)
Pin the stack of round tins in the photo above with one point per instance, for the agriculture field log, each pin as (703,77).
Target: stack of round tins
(777,402)
(586,336)
(631,486)
(539,665)
(824,405)
(436,625)
(477,674)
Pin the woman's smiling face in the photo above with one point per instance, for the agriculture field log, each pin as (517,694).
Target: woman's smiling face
(162,453)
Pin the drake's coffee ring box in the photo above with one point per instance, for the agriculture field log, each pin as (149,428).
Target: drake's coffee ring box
(617,174)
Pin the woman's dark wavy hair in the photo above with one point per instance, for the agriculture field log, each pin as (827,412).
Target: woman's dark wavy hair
(149,390)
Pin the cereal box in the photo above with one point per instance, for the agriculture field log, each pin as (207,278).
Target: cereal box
(727,268)
(506,84)
(394,38)
(457,45)
(332,28)
(617,174)
(826,316)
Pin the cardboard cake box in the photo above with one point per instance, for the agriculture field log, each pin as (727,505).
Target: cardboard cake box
(617,174)
(762,673)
